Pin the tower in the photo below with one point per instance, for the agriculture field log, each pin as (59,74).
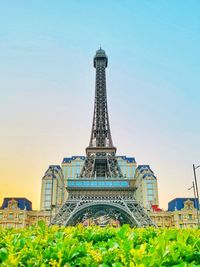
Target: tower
(101,195)
(100,160)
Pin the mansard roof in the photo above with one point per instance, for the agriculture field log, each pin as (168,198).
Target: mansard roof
(68,160)
(146,175)
(23,203)
(128,159)
(178,203)
(141,168)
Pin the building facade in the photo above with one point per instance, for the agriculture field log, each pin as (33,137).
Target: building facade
(14,215)
(147,188)
(146,192)
(53,190)
(72,166)
(185,212)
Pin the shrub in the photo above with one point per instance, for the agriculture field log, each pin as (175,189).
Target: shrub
(94,246)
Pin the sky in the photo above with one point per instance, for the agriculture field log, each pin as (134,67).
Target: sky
(47,87)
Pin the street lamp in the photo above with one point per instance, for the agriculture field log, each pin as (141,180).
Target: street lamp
(195,199)
(196,189)
(52,170)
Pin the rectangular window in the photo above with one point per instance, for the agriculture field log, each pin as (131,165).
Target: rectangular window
(150,191)
(48,197)
(149,185)
(124,183)
(1,215)
(47,204)
(48,185)
(10,216)
(150,198)
(190,216)
(21,216)
(48,192)
(179,217)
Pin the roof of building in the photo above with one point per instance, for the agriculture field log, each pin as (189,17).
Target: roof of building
(23,203)
(55,166)
(68,160)
(128,159)
(146,175)
(155,208)
(178,203)
(142,168)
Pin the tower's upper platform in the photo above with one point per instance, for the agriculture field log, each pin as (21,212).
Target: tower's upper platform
(100,54)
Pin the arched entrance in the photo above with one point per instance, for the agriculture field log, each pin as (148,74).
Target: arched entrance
(101,214)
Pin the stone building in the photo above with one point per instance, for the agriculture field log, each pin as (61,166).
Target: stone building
(14,214)
(53,191)
(147,188)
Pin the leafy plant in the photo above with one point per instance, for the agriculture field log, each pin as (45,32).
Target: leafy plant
(94,246)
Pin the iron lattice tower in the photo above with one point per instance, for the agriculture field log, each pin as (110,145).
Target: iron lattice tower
(101,192)
(100,155)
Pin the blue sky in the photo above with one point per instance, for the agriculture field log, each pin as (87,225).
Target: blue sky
(47,87)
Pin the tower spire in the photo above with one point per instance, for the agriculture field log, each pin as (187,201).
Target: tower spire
(100,134)
(100,154)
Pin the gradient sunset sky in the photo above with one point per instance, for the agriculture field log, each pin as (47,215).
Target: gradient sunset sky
(47,87)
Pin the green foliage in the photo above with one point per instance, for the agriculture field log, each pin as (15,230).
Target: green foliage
(94,246)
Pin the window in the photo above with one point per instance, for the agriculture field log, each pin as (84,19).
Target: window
(48,197)
(179,217)
(21,216)
(190,216)
(1,215)
(150,197)
(48,185)
(10,216)
(149,185)
(124,183)
(150,191)
(48,191)
(116,183)
(47,204)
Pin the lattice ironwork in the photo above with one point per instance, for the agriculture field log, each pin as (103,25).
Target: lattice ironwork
(101,162)
(124,208)
(100,155)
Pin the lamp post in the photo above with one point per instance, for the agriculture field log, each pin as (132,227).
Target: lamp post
(195,199)
(52,170)
(195,186)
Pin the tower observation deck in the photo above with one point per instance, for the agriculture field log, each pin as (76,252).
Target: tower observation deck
(101,193)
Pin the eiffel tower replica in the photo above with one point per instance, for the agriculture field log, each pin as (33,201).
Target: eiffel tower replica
(101,194)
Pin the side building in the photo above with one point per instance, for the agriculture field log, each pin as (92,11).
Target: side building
(185,212)
(13,212)
(147,188)
(53,191)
